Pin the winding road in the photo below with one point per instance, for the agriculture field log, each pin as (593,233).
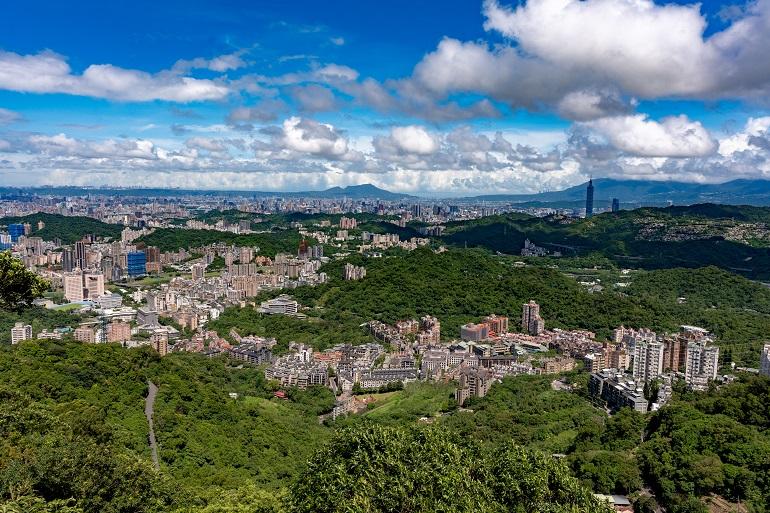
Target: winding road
(149,408)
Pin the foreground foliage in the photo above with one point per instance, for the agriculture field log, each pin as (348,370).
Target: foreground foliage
(372,469)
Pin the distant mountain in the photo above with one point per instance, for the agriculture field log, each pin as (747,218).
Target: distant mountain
(649,192)
(352,192)
(355,192)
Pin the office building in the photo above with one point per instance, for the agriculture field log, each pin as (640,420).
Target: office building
(15,230)
(590,199)
(615,205)
(136,263)
(648,360)
(531,322)
(21,332)
(764,361)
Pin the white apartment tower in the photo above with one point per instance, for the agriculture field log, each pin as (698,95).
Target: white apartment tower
(701,365)
(764,361)
(648,360)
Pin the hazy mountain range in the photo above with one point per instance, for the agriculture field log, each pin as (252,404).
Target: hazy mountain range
(629,192)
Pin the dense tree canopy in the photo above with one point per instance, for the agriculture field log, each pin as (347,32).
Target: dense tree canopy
(18,285)
(373,469)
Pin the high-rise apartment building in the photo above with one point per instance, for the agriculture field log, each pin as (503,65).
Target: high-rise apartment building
(764,361)
(531,322)
(93,284)
(648,360)
(702,364)
(119,331)
(73,286)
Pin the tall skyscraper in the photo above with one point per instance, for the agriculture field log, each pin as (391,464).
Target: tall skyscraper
(590,199)
(80,254)
(615,205)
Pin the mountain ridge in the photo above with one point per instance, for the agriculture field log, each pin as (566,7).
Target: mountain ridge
(631,192)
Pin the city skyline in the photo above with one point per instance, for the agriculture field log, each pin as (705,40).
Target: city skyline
(456,99)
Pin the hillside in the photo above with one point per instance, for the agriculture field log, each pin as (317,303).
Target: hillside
(173,239)
(69,229)
(461,286)
(73,433)
(730,237)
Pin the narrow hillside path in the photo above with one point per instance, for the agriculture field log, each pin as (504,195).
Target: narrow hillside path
(149,408)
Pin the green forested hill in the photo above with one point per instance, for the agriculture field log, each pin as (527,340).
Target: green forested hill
(173,239)
(460,286)
(735,238)
(69,229)
(72,429)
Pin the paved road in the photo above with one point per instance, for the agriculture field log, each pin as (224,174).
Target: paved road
(149,408)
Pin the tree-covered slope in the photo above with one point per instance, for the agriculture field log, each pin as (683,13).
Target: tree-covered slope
(735,238)
(173,239)
(69,229)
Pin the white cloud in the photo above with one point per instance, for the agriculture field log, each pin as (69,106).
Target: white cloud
(309,136)
(675,136)
(48,72)
(410,139)
(568,53)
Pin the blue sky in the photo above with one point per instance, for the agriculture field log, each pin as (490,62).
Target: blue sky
(434,97)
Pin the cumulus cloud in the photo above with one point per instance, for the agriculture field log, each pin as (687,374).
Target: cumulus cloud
(569,53)
(409,139)
(674,136)
(309,136)
(47,72)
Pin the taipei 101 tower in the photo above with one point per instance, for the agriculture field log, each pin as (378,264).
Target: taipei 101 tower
(590,199)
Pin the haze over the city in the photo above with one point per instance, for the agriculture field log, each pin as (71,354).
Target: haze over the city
(450,98)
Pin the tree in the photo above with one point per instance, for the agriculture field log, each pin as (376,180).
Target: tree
(375,469)
(18,285)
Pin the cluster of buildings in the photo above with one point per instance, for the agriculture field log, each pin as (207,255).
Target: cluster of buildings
(635,358)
